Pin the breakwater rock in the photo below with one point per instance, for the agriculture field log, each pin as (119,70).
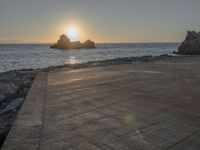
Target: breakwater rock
(14,86)
(64,44)
(191,45)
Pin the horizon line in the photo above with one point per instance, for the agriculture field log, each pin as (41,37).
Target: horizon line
(37,43)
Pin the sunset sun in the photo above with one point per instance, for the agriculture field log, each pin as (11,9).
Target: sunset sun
(73,34)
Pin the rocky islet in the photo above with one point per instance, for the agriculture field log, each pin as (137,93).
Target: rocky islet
(65,44)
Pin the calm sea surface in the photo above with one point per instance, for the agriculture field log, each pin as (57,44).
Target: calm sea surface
(18,56)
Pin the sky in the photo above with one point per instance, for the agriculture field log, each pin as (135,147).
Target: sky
(103,21)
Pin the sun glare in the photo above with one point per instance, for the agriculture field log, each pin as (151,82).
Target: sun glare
(73,34)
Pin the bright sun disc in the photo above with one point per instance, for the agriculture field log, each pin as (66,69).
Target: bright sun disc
(73,34)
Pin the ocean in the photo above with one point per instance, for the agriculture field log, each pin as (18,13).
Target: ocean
(25,56)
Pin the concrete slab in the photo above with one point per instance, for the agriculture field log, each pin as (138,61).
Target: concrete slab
(144,106)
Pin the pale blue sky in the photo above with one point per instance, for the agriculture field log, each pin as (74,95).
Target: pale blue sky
(32,21)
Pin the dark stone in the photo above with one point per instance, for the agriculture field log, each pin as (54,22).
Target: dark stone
(164,55)
(88,44)
(64,44)
(13,107)
(2,97)
(6,122)
(7,117)
(175,52)
(191,44)
(14,86)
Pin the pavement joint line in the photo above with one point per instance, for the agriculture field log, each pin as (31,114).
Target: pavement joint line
(182,140)
(43,112)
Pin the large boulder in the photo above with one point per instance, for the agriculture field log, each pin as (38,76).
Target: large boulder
(88,44)
(191,45)
(63,43)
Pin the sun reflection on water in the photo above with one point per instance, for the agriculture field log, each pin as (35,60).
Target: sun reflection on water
(72,60)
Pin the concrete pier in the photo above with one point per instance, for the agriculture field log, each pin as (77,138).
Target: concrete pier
(141,106)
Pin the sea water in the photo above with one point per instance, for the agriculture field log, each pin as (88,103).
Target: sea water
(24,56)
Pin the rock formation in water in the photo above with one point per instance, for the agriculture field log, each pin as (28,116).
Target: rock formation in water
(88,44)
(191,45)
(64,43)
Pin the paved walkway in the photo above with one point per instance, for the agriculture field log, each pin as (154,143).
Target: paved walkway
(144,106)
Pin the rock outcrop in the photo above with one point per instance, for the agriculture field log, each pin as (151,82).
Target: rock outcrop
(88,44)
(76,45)
(64,43)
(191,45)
